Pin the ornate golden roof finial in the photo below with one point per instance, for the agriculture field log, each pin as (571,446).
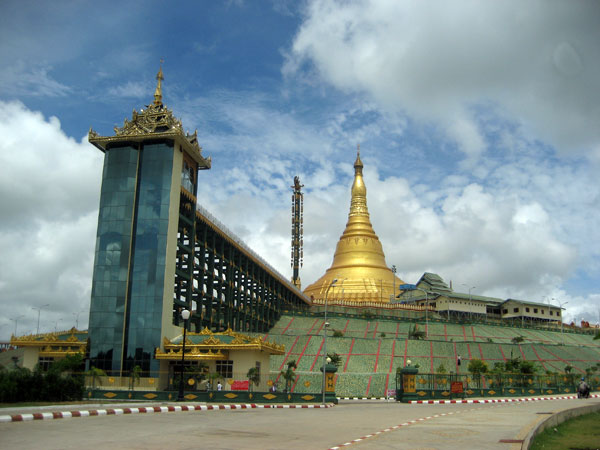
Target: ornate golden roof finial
(358,165)
(158,91)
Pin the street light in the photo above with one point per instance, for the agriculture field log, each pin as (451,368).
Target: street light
(470,306)
(77,319)
(413,287)
(325,325)
(39,309)
(394,277)
(16,321)
(185,315)
(560,305)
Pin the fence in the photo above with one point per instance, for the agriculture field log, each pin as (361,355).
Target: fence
(449,386)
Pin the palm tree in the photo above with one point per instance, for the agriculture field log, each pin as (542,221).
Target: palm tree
(253,376)
(95,374)
(212,377)
(289,374)
(134,376)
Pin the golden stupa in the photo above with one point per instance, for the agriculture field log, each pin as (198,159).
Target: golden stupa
(358,263)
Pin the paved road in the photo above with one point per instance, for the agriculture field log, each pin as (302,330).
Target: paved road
(446,426)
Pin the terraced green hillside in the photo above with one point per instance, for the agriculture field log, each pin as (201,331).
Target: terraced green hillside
(371,350)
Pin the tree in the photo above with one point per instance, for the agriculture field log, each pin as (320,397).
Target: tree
(289,375)
(528,368)
(414,333)
(338,333)
(441,369)
(477,366)
(95,375)
(253,376)
(134,376)
(517,339)
(212,377)
(336,359)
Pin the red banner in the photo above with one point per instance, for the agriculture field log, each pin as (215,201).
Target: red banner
(239,385)
(456,387)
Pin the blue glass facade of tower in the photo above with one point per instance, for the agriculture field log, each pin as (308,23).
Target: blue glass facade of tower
(129,267)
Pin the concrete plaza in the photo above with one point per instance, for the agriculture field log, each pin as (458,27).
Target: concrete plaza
(360,424)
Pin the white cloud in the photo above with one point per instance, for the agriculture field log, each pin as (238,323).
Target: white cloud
(49,194)
(539,62)
(20,79)
(130,89)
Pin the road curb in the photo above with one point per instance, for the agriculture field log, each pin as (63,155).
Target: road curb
(496,400)
(146,410)
(557,419)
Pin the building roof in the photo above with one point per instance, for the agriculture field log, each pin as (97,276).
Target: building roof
(55,344)
(525,302)
(435,282)
(207,345)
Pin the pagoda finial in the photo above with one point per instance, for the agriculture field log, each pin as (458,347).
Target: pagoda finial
(158,91)
(358,165)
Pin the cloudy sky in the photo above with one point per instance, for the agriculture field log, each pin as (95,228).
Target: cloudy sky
(478,124)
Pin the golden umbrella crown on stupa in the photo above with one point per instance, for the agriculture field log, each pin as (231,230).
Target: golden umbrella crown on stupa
(359,262)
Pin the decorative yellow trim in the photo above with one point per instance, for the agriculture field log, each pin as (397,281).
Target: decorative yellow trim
(445,393)
(190,396)
(470,392)
(231,395)
(110,395)
(491,392)
(150,396)
(308,398)
(148,124)
(512,391)
(213,348)
(421,393)
(531,391)
(50,345)
(269,396)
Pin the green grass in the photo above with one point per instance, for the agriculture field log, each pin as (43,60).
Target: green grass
(580,433)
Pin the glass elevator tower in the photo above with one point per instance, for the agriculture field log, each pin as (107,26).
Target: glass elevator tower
(148,163)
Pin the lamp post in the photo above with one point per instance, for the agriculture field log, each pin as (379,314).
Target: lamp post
(426,310)
(39,310)
(16,321)
(413,287)
(470,288)
(77,319)
(560,305)
(185,315)
(325,325)
(394,277)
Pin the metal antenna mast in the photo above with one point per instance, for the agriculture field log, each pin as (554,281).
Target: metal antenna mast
(297,230)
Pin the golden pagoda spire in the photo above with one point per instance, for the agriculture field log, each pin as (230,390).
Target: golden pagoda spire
(359,262)
(158,91)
